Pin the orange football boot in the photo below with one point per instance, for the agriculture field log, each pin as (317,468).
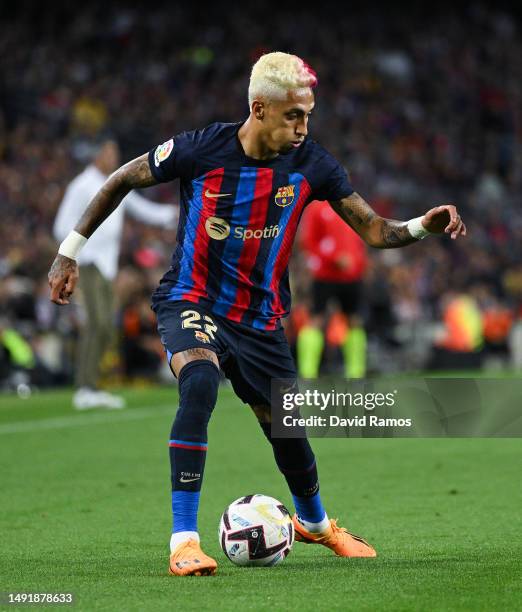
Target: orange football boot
(189,560)
(342,542)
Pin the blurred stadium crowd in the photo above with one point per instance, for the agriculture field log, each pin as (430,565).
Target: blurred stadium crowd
(421,109)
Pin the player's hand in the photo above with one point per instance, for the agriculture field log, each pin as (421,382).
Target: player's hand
(63,277)
(444,219)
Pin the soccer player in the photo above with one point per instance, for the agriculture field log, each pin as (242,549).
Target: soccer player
(243,189)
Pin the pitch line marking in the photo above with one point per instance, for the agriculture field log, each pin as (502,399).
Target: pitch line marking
(79,420)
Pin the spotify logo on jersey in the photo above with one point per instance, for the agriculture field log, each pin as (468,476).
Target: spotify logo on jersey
(217,228)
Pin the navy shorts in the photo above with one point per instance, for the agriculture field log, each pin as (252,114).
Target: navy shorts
(250,358)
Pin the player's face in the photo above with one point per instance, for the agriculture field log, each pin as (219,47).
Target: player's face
(285,123)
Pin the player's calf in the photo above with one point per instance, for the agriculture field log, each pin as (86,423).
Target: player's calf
(296,461)
(198,388)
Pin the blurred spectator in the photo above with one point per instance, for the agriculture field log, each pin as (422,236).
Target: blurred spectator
(142,350)
(336,259)
(98,265)
(461,343)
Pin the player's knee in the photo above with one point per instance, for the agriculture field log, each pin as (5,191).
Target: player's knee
(198,389)
(264,417)
(263,413)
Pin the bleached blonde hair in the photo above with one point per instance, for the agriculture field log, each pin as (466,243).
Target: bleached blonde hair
(275,74)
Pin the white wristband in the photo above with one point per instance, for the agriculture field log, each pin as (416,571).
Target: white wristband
(416,229)
(72,245)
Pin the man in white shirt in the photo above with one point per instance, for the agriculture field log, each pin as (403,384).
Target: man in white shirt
(99,266)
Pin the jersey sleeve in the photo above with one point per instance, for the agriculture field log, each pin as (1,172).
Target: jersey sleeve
(334,183)
(174,158)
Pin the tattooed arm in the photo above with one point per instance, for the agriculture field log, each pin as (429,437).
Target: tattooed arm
(133,175)
(63,274)
(388,233)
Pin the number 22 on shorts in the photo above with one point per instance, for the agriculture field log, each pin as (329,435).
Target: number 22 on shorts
(191,320)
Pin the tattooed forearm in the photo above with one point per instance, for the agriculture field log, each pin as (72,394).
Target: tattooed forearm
(374,230)
(394,234)
(134,174)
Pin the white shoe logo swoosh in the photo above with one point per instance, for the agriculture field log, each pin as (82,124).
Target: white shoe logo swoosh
(209,194)
(189,479)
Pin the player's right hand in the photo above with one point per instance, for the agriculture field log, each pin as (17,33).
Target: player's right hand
(63,277)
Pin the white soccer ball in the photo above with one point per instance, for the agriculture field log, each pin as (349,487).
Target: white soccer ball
(256,530)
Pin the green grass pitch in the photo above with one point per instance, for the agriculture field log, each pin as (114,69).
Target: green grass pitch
(86,509)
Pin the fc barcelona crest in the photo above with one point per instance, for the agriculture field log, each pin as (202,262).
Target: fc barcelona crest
(201,336)
(285,195)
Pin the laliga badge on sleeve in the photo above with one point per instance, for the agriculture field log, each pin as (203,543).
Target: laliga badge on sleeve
(163,151)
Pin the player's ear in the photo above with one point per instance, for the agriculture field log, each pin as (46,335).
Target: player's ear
(258,109)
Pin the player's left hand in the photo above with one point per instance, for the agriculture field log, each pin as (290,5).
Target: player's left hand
(444,219)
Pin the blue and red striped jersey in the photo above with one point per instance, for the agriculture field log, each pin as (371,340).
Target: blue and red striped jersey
(238,220)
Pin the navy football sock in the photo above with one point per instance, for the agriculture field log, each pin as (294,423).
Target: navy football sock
(296,461)
(198,387)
